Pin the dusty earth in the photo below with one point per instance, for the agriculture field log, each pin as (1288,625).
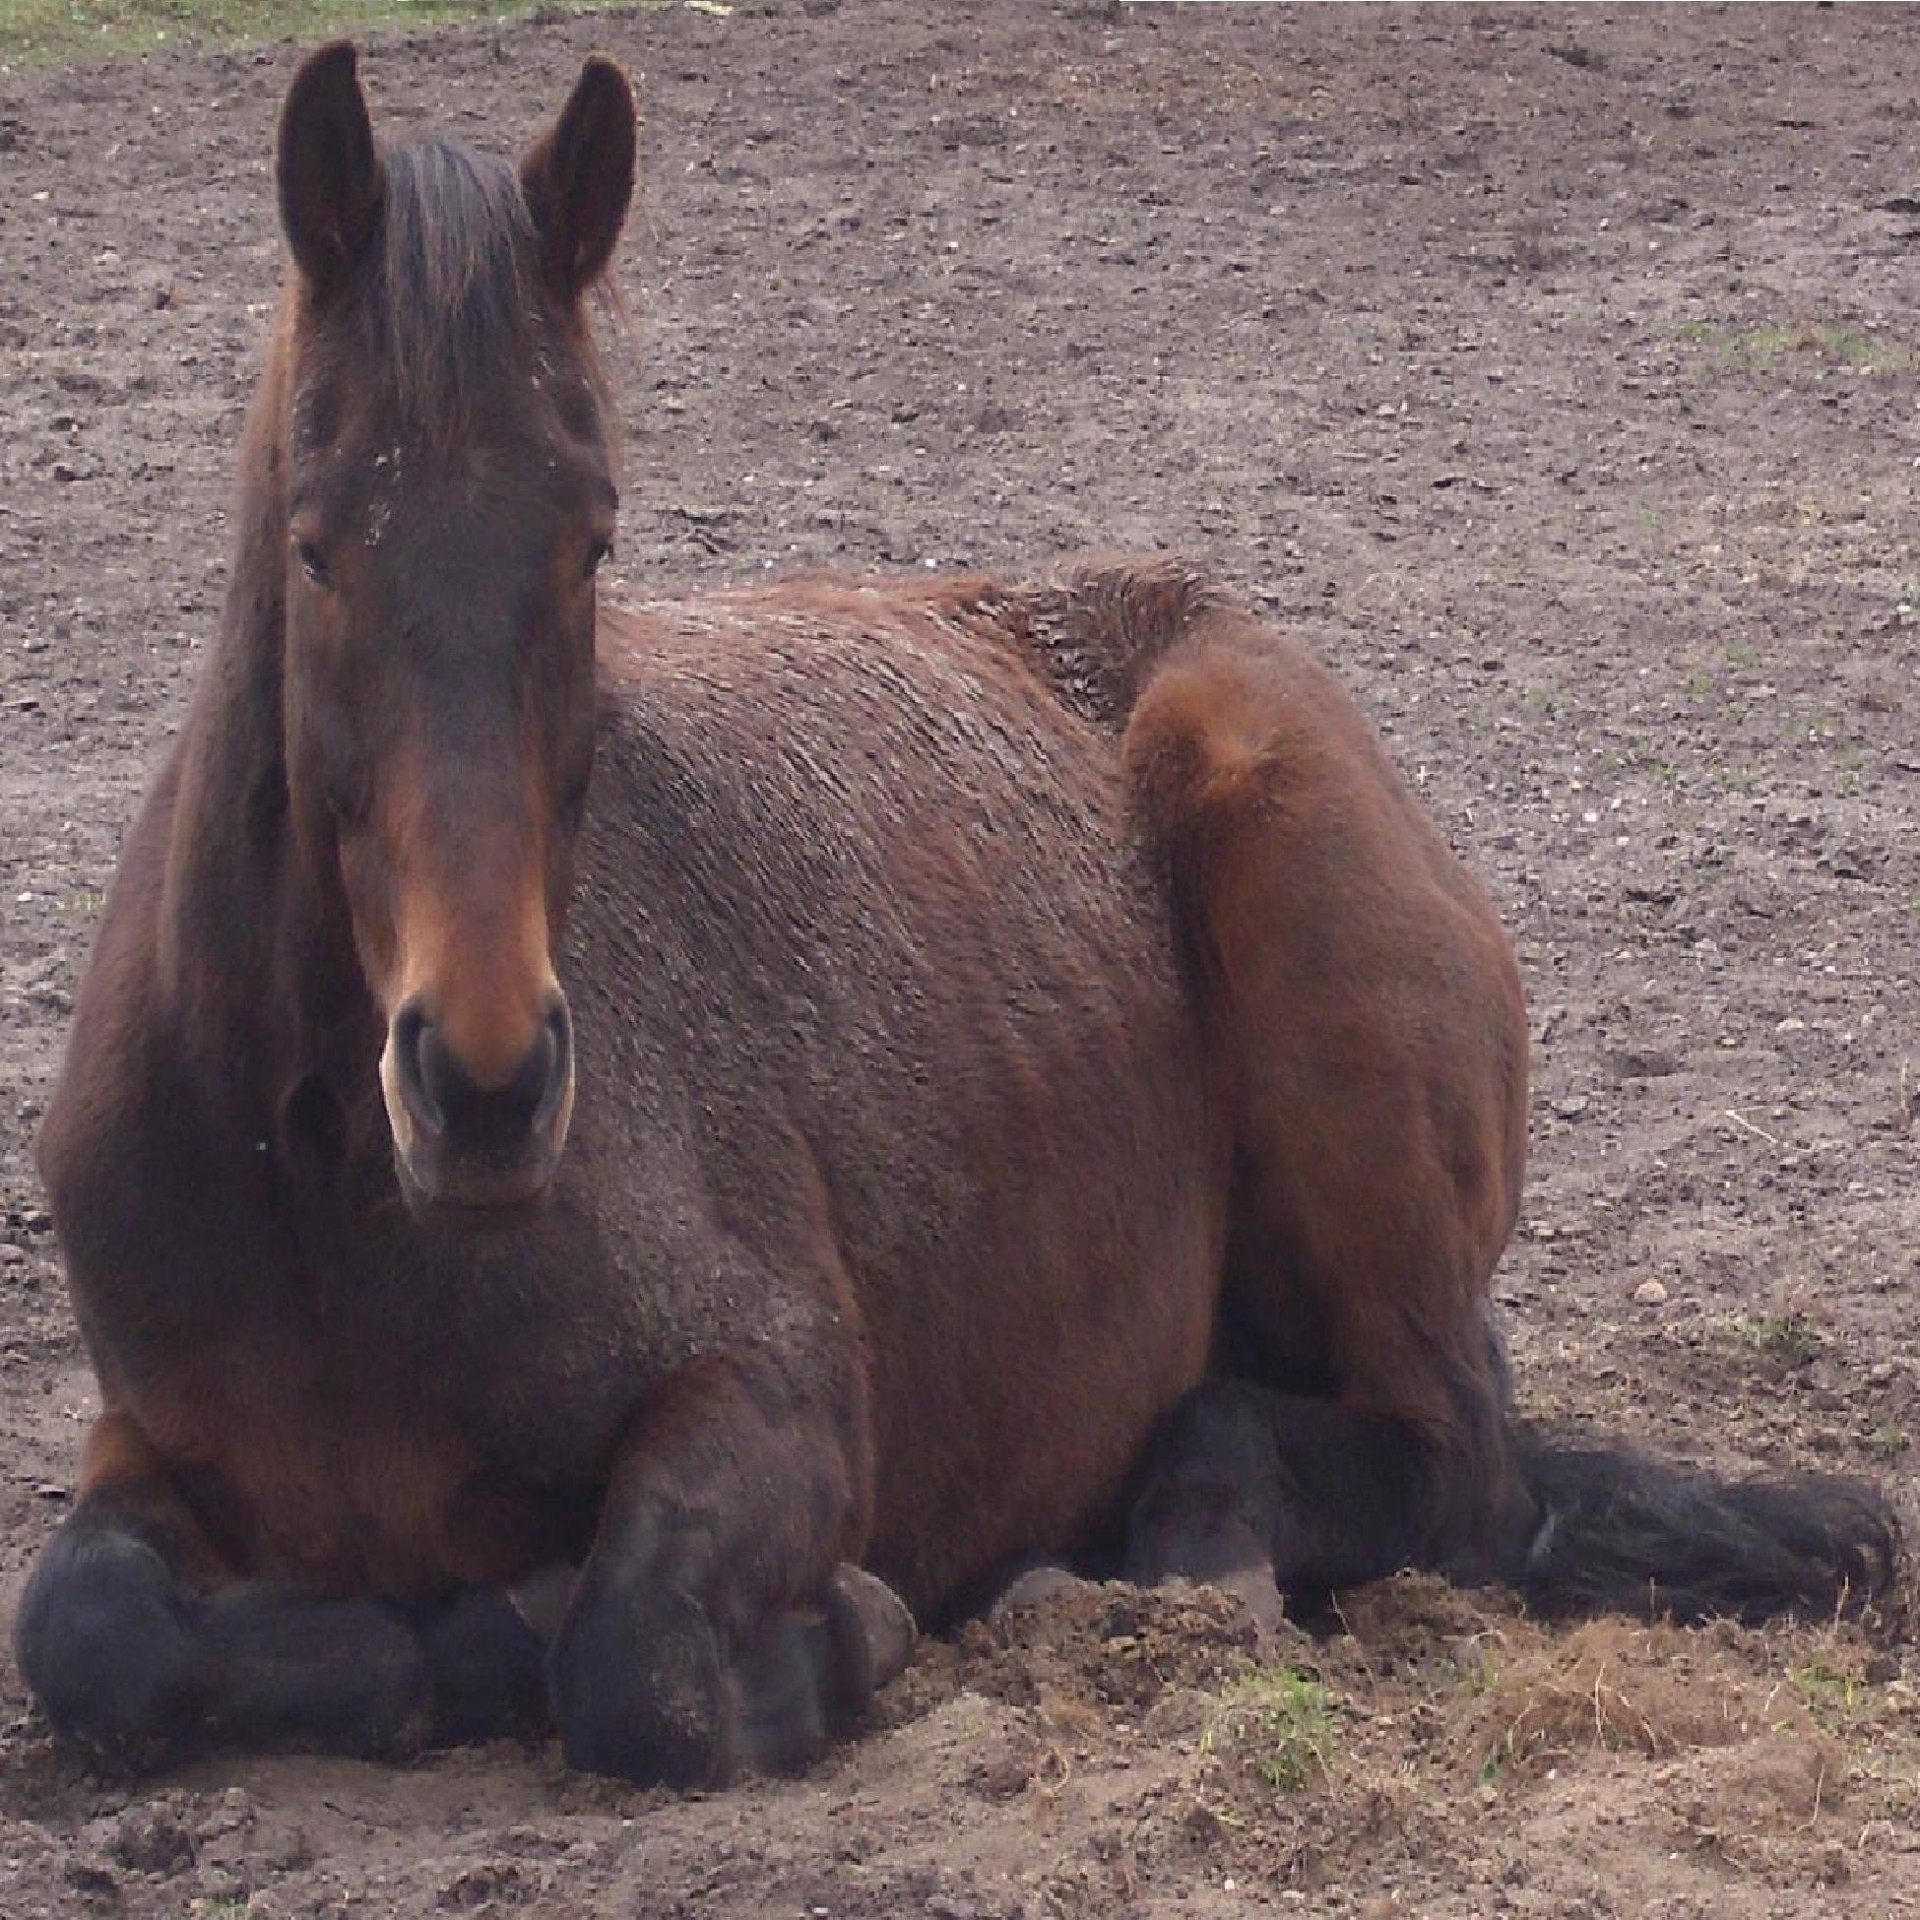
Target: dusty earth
(1555,374)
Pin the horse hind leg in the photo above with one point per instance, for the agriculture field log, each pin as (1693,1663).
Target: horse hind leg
(1365,1019)
(1266,1490)
(1261,1492)
(1364,1011)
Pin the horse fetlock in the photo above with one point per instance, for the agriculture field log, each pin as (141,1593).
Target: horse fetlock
(107,1643)
(487,1666)
(288,1668)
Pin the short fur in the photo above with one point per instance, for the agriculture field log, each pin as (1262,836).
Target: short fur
(993,1060)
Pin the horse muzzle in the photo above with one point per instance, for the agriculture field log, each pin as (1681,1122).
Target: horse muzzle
(471,1149)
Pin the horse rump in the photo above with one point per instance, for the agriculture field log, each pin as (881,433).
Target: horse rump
(1364,1008)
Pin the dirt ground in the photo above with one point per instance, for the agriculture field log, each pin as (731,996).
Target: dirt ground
(1555,374)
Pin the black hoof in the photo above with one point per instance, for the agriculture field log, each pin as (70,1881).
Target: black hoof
(639,1690)
(106,1643)
(646,1693)
(874,1635)
(810,1676)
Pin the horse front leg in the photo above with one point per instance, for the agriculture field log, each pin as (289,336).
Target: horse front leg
(139,1642)
(717,1628)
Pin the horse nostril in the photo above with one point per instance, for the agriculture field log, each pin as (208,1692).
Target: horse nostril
(554,1051)
(447,1104)
(443,1081)
(420,1059)
(526,1091)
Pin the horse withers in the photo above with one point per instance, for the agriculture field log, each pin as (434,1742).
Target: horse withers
(602,1151)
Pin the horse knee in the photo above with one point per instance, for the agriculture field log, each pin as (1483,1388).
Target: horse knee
(126,1660)
(105,1640)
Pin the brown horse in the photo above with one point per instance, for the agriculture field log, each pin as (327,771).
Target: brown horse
(992,1071)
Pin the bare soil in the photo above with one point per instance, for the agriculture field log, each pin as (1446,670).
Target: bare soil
(1554,373)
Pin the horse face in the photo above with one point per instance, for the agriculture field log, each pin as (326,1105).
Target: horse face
(450,496)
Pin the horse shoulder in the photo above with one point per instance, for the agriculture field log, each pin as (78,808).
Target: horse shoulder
(119,1146)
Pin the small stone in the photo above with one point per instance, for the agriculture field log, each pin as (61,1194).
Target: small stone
(1649,1293)
(153,1840)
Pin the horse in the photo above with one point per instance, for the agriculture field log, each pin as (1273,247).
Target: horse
(617,1162)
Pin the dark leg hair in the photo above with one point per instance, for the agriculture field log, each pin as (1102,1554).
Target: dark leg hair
(143,1670)
(1317,1496)
(1311,1494)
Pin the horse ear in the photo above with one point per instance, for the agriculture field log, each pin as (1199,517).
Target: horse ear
(329,174)
(579,177)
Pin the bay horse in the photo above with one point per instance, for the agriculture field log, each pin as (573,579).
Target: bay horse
(611,1161)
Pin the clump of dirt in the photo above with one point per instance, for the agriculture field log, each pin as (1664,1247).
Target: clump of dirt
(1110,1645)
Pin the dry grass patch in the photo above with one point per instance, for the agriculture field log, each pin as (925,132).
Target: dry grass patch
(1623,1688)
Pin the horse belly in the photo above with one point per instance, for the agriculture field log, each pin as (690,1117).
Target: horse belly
(1019,1370)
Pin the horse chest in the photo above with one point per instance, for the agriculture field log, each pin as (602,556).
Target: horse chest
(310,1457)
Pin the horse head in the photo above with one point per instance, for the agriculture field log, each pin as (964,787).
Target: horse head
(448,465)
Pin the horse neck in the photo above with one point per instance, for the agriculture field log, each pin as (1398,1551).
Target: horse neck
(238,890)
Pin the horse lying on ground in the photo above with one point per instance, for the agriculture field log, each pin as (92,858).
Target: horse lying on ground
(985,1071)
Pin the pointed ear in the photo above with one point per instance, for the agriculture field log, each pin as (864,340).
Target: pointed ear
(330,176)
(579,177)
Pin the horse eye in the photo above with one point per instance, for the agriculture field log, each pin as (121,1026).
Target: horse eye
(573,800)
(313,563)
